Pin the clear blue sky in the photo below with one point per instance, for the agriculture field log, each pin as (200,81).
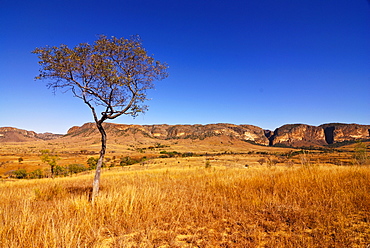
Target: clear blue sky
(262,62)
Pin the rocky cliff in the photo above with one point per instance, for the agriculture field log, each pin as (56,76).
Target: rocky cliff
(295,135)
(305,135)
(298,135)
(243,132)
(339,132)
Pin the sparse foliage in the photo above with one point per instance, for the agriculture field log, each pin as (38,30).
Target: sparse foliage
(111,75)
(91,162)
(36,174)
(128,161)
(51,159)
(61,171)
(21,173)
(76,168)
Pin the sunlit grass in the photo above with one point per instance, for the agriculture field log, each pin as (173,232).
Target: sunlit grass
(191,207)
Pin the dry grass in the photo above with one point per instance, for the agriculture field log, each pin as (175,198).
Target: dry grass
(192,207)
(235,153)
(10,152)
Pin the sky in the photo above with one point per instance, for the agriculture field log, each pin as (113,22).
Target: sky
(265,63)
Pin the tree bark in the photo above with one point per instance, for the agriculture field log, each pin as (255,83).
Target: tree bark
(96,182)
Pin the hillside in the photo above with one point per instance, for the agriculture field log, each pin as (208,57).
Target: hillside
(294,135)
(172,132)
(11,134)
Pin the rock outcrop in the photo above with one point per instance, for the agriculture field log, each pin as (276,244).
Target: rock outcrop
(305,135)
(339,132)
(242,132)
(298,135)
(295,135)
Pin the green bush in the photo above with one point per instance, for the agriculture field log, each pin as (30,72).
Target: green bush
(60,171)
(76,168)
(20,174)
(170,154)
(187,154)
(92,162)
(36,174)
(128,161)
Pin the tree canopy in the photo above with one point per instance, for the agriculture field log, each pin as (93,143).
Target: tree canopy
(113,73)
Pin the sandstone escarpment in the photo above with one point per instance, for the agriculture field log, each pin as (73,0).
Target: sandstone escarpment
(298,135)
(339,132)
(306,135)
(295,135)
(242,132)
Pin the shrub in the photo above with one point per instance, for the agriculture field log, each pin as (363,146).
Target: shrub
(170,154)
(76,168)
(61,171)
(92,163)
(36,174)
(20,174)
(187,154)
(128,161)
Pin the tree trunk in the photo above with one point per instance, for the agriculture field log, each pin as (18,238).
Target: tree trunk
(96,182)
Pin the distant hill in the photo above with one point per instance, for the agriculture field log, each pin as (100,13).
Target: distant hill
(294,135)
(11,134)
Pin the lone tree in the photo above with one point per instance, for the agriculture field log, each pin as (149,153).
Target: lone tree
(51,159)
(111,75)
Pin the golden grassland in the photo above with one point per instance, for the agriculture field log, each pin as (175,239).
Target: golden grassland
(283,198)
(77,151)
(188,205)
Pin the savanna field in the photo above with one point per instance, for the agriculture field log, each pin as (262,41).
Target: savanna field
(191,203)
(242,171)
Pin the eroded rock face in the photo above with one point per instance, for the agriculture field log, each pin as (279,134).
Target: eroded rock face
(158,131)
(243,132)
(298,135)
(339,132)
(255,134)
(306,135)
